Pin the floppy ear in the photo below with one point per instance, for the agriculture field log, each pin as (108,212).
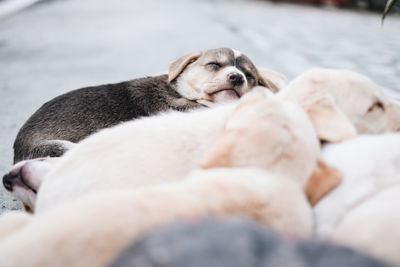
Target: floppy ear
(330,123)
(275,81)
(176,67)
(322,181)
(220,152)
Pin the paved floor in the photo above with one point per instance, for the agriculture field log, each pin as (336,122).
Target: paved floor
(57,46)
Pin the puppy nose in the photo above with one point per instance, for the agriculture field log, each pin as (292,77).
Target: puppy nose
(236,78)
(8,181)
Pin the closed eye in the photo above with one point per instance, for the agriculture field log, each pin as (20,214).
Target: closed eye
(376,105)
(249,76)
(261,83)
(214,64)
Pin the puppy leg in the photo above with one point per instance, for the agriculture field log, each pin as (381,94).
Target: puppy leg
(25,178)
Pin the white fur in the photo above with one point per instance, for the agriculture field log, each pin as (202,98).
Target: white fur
(370,165)
(12,221)
(236,53)
(353,93)
(145,151)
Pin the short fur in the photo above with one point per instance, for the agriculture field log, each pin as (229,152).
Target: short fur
(189,135)
(73,234)
(275,198)
(134,162)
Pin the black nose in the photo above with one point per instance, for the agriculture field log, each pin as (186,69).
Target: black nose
(8,181)
(236,78)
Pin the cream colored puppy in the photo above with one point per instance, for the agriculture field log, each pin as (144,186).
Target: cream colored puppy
(92,229)
(143,152)
(153,150)
(353,95)
(363,211)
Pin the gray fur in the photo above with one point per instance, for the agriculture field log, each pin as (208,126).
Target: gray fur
(233,242)
(72,116)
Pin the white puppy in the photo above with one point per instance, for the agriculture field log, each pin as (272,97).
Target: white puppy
(153,150)
(353,95)
(363,211)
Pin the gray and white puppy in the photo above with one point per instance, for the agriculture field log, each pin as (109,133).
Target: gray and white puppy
(195,80)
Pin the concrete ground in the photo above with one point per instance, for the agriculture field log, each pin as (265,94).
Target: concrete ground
(57,46)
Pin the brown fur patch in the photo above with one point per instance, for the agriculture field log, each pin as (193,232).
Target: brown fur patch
(176,67)
(272,79)
(322,181)
(27,208)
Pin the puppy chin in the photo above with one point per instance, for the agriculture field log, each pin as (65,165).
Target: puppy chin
(225,96)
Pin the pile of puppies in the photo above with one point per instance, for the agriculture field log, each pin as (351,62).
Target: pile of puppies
(254,150)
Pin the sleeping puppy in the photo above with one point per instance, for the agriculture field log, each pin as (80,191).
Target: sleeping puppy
(266,185)
(363,211)
(194,80)
(145,157)
(365,105)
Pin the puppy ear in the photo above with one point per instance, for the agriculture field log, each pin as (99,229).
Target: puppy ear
(220,152)
(330,123)
(322,181)
(176,67)
(275,81)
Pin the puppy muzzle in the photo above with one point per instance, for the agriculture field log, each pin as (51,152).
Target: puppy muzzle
(8,181)
(12,180)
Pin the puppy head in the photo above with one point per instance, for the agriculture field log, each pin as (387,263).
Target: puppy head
(266,132)
(217,75)
(354,96)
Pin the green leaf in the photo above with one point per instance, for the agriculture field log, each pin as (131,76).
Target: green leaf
(388,7)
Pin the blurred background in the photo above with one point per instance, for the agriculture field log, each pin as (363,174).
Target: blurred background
(50,47)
